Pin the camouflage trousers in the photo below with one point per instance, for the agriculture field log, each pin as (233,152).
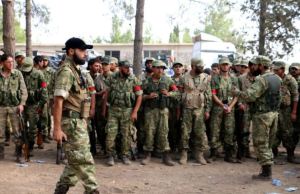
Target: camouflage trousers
(156,128)
(193,126)
(285,130)
(45,120)
(11,114)
(32,117)
(174,128)
(263,133)
(118,122)
(218,116)
(80,164)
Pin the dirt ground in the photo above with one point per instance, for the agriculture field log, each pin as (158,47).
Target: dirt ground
(156,178)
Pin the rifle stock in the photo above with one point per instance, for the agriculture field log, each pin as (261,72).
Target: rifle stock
(25,146)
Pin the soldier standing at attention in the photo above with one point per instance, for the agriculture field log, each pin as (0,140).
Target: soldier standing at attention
(157,90)
(124,98)
(196,100)
(70,115)
(288,111)
(113,62)
(223,110)
(37,97)
(13,96)
(19,57)
(265,93)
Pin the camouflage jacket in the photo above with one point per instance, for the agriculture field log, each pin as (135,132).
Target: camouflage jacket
(49,74)
(289,90)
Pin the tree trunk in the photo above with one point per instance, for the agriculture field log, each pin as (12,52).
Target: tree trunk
(9,38)
(28,28)
(262,27)
(138,38)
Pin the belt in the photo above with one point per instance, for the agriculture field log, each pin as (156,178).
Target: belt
(71,114)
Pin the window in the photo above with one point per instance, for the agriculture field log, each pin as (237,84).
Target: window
(113,54)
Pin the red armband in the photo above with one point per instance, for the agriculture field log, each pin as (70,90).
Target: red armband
(214,91)
(137,88)
(173,87)
(44,84)
(91,88)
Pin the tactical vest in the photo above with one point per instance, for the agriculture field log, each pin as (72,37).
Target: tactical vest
(161,101)
(78,93)
(121,92)
(33,84)
(10,94)
(194,88)
(271,99)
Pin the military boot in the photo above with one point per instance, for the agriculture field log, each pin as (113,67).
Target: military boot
(147,158)
(275,152)
(7,137)
(240,154)
(213,154)
(126,160)
(183,157)
(61,189)
(95,192)
(19,158)
(1,151)
(265,175)
(291,156)
(200,158)
(167,159)
(228,155)
(110,161)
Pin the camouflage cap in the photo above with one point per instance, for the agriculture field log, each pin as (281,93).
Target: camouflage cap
(125,63)
(295,65)
(177,63)
(253,60)
(113,60)
(149,59)
(159,63)
(19,53)
(278,64)
(244,62)
(105,60)
(263,60)
(27,65)
(224,60)
(237,61)
(197,62)
(45,57)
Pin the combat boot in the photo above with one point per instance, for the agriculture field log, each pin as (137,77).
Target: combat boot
(95,192)
(167,159)
(265,175)
(200,158)
(228,155)
(291,156)
(110,161)
(213,154)
(147,158)
(1,151)
(183,157)
(240,154)
(61,189)
(19,158)
(275,152)
(126,160)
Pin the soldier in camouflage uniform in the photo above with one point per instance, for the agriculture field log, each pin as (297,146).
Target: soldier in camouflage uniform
(175,109)
(243,129)
(13,96)
(37,97)
(113,62)
(287,113)
(19,58)
(124,98)
(158,89)
(265,94)
(223,110)
(196,100)
(49,74)
(71,102)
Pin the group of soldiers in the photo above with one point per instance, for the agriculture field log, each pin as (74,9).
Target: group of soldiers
(194,111)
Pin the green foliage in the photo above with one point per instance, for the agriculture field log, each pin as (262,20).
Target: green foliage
(148,35)
(174,36)
(186,37)
(116,35)
(280,32)
(20,33)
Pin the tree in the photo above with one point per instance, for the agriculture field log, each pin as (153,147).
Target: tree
(28,28)
(138,38)
(8,26)
(277,25)
(174,36)
(186,37)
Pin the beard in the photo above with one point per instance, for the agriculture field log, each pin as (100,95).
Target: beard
(77,60)
(257,72)
(198,71)
(148,69)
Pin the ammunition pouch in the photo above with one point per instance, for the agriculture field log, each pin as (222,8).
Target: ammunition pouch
(85,108)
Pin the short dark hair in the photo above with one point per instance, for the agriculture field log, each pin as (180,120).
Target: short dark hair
(37,59)
(4,57)
(93,61)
